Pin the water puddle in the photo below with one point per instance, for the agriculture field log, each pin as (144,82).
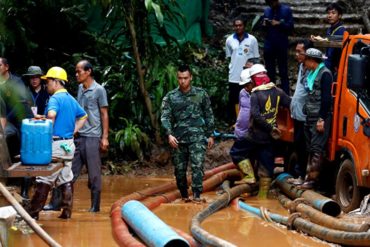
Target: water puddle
(89,229)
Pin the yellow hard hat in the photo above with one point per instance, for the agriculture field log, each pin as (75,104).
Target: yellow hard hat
(56,73)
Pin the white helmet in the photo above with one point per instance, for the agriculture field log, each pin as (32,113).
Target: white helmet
(245,77)
(257,68)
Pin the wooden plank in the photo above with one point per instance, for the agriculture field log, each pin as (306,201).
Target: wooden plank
(326,44)
(19,170)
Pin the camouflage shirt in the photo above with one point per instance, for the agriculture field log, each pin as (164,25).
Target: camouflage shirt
(187,116)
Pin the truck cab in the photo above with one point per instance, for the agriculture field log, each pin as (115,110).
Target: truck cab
(349,142)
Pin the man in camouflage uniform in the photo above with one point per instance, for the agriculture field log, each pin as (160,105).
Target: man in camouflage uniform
(187,118)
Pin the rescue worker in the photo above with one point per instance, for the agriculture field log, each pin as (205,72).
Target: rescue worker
(239,47)
(278,23)
(17,100)
(318,111)
(91,138)
(296,110)
(334,16)
(265,102)
(40,96)
(187,118)
(242,125)
(68,117)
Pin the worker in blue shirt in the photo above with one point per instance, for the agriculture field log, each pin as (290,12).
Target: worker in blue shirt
(68,117)
(278,23)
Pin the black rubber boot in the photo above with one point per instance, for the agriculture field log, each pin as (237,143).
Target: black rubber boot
(55,200)
(313,171)
(95,201)
(26,183)
(196,197)
(67,200)
(184,193)
(39,199)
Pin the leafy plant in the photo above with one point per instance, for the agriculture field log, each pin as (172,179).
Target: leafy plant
(132,138)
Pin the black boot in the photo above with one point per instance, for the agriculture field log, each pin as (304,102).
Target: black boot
(196,197)
(67,200)
(38,199)
(95,201)
(26,182)
(313,171)
(184,193)
(55,200)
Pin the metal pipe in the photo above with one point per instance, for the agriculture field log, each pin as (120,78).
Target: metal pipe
(151,229)
(330,235)
(320,218)
(198,232)
(320,202)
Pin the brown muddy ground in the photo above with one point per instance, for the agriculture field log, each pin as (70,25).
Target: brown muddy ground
(94,229)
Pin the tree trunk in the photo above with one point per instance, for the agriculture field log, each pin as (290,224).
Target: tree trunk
(148,103)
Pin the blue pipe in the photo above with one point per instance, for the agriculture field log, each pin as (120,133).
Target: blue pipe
(151,229)
(275,217)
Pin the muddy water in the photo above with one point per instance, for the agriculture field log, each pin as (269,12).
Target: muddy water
(236,226)
(89,229)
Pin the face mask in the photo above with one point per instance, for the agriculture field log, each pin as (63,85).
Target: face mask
(260,79)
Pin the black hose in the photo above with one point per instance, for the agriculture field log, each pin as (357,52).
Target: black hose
(318,201)
(320,218)
(222,201)
(330,235)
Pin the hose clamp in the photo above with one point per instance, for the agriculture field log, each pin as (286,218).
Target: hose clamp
(293,205)
(291,219)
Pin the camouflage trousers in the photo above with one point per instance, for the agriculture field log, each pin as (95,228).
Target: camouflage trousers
(193,153)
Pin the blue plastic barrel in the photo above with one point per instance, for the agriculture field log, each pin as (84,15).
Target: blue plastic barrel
(36,141)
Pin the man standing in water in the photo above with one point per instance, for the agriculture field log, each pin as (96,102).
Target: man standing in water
(68,117)
(93,136)
(187,118)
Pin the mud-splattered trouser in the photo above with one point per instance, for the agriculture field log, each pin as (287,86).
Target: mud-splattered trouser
(193,153)
(247,149)
(315,142)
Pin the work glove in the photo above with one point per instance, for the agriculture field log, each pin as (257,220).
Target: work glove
(275,133)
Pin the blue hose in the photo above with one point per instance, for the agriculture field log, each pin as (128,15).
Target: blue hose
(151,229)
(275,217)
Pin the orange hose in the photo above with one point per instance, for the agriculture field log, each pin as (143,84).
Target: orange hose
(120,230)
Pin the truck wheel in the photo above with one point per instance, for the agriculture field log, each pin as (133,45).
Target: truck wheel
(347,192)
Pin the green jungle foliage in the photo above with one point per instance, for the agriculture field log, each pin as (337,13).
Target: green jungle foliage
(49,33)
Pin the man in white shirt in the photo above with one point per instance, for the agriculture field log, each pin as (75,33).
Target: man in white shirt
(240,46)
